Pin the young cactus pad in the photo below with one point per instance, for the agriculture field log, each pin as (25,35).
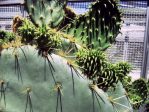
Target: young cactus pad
(46,12)
(99,26)
(28,85)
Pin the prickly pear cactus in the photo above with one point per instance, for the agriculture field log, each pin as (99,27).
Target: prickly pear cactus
(46,12)
(98,27)
(38,80)
(29,84)
(46,70)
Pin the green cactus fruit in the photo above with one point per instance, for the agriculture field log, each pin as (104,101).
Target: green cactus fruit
(91,61)
(98,27)
(46,12)
(124,69)
(95,66)
(6,40)
(107,78)
(30,86)
(127,83)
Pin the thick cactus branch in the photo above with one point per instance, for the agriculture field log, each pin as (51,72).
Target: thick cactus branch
(98,27)
(46,12)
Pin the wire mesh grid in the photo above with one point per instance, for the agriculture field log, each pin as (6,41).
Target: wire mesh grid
(79,7)
(129,45)
(7,14)
(9,9)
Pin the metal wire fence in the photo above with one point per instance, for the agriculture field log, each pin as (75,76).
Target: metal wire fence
(132,37)
(129,44)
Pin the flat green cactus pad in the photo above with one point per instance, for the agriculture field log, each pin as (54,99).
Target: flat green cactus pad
(28,85)
(98,27)
(46,12)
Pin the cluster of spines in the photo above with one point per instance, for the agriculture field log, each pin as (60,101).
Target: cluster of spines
(99,26)
(47,40)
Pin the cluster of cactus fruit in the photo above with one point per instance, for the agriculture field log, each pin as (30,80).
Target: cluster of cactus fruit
(55,71)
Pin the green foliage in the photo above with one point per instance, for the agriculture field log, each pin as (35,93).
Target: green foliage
(137,91)
(140,88)
(27,31)
(6,37)
(46,12)
(136,100)
(98,27)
